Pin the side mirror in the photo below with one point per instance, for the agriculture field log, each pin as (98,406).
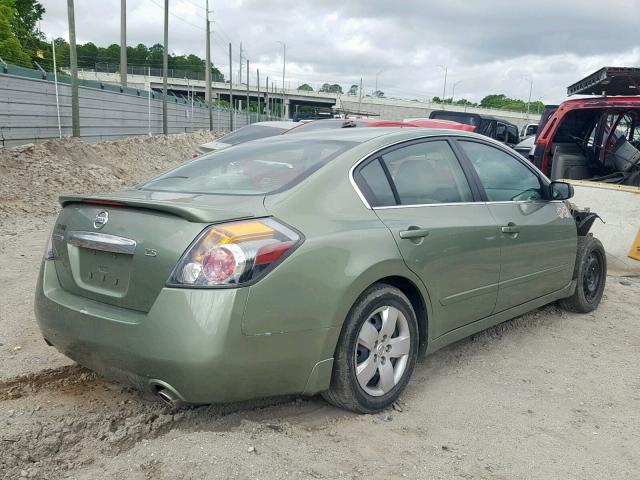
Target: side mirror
(560,190)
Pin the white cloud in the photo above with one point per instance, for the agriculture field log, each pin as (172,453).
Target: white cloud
(488,46)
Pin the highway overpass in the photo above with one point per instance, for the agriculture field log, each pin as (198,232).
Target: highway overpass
(387,108)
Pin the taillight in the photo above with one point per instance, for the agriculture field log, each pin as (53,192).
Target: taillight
(234,254)
(49,252)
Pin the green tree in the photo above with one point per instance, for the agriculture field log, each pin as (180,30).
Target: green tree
(11,50)
(353,90)
(25,26)
(305,87)
(378,93)
(334,88)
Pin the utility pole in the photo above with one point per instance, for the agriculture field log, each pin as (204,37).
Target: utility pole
(360,99)
(529,101)
(230,89)
(267,100)
(123,43)
(284,63)
(276,105)
(247,86)
(444,87)
(240,68)
(258,84)
(453,90)
(377,75)
(73,57)
(207,74)
(165,69)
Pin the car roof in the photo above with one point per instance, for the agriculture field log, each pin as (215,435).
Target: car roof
(362,135)
(276,123)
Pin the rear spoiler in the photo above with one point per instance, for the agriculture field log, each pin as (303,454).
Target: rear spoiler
(191,213)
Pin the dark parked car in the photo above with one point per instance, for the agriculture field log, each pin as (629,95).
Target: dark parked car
(487,125)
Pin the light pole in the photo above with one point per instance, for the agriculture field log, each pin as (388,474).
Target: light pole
(377,74)
(453,90)
(530,80)
(444,87)
(284,63)
(529,100)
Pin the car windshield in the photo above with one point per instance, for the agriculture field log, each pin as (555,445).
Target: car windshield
(250,132)
(257,168)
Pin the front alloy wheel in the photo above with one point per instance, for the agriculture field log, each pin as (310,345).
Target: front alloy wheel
(376,351)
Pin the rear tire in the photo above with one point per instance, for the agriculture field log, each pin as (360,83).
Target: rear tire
(590,274)
(376,351)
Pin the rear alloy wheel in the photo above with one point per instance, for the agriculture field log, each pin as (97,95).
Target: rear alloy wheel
(376,351)
(590,275)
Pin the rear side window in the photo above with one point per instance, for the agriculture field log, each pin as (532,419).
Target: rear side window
(503,177)
(254,168)
(375,186)
(427,173)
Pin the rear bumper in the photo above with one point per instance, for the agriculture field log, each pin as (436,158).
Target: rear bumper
(191,340)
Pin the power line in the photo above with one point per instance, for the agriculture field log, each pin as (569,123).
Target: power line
(178,16)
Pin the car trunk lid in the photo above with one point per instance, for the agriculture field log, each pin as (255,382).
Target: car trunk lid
(121,249)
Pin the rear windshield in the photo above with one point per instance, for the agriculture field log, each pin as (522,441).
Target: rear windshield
(251,169)
(456,117)
(326,124)
(250,132)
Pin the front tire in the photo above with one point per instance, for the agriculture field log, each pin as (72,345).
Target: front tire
(376,351)
(590,275)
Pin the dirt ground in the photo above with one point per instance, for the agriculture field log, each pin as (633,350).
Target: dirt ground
(549,395)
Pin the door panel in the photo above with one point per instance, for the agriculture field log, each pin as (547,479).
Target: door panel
(458,259)
(538,254)
(447,238)
(537,236)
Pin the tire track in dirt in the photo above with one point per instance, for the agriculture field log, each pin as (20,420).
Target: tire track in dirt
(53,378)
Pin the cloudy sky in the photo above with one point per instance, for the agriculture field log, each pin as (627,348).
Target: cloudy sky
(489,46)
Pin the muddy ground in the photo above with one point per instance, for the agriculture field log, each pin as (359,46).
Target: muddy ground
(550,395)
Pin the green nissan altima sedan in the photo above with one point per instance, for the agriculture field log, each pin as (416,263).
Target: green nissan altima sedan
(314,263)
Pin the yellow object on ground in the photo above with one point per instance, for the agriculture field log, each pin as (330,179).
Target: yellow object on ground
(635,248)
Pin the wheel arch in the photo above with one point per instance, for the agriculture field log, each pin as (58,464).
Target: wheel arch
(415,296)
(408,284)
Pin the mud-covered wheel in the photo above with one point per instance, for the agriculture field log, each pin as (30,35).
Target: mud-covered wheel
(376,351)
(590,274)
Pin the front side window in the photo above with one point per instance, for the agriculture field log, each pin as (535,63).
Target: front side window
(427,173)
(254,168)
(503,177)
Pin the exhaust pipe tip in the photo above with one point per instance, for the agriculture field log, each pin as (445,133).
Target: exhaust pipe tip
(168,395)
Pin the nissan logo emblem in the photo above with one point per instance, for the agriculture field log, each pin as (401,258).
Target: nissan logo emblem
(101,220)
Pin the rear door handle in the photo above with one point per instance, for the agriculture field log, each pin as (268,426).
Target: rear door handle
(510,228)
(414,232)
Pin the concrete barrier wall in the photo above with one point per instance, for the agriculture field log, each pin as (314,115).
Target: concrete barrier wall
(393,109)
(619,207)
(28,113)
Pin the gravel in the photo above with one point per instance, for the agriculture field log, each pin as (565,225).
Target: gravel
(33,176)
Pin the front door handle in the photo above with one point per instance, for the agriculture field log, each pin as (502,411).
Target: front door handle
(510,228)
(414,232)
